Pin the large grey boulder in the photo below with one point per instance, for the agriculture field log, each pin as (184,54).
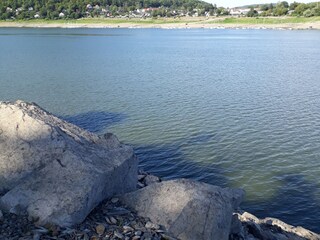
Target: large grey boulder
(55,171)
(187,209)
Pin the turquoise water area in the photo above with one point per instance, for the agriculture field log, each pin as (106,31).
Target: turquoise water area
(235,108)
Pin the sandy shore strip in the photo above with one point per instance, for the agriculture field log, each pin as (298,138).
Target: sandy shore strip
(180,25)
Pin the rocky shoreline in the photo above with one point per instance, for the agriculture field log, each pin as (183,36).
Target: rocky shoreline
(58,181)
(114,220)
(284,26)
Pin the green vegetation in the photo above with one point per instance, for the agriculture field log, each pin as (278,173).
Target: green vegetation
(283,8)
(144,9)
(266,20)
(57,9)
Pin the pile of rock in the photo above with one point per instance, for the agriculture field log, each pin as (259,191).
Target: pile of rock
(110,220)
(54,178)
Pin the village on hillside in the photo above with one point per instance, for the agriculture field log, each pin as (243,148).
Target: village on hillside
(203,9)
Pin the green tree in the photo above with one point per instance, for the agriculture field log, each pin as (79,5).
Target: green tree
(252,12)
(299,10)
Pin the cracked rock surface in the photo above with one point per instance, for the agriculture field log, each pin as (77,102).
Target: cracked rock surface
(57,172)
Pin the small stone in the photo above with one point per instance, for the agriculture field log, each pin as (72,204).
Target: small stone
(94,238)
(113,220)
(141,177)
(151,225)
(118,235)
(138,233)
(127,229)
(108,220)
(136,237)
(41,230)
(115,200)
(100,229)
(127,238)
(1,216)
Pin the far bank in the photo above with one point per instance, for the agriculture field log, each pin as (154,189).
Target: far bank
(291,23)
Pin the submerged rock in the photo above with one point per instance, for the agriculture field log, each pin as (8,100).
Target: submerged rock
(55,171)
(187,209)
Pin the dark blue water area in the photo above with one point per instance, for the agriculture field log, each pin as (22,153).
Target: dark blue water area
(234,108)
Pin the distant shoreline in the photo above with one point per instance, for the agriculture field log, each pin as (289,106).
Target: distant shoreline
(183,23)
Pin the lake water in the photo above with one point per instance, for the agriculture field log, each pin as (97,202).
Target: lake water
(235,108)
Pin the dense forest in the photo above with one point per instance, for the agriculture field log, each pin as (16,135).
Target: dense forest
(74,9)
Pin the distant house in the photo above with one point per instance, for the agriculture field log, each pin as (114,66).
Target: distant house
(89,7)
(61,15)
(235,12)
(20,9)
(238,11)
(9,9)
(36,15)
(30,8)
(290,12)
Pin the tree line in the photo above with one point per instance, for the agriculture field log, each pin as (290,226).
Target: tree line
(283,8)
(74,9)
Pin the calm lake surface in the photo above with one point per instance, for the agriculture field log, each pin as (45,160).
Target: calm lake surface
(235,108)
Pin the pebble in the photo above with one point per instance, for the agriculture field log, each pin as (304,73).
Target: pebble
(141,177)
(127,229)
(138,233)
(41,230)
(113,220)
(118,235)
(115,200)
(151,225)
(100,229)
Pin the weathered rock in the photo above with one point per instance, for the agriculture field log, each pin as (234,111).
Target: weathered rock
(267,229)
(236,231)
(55,171)
(187,209)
